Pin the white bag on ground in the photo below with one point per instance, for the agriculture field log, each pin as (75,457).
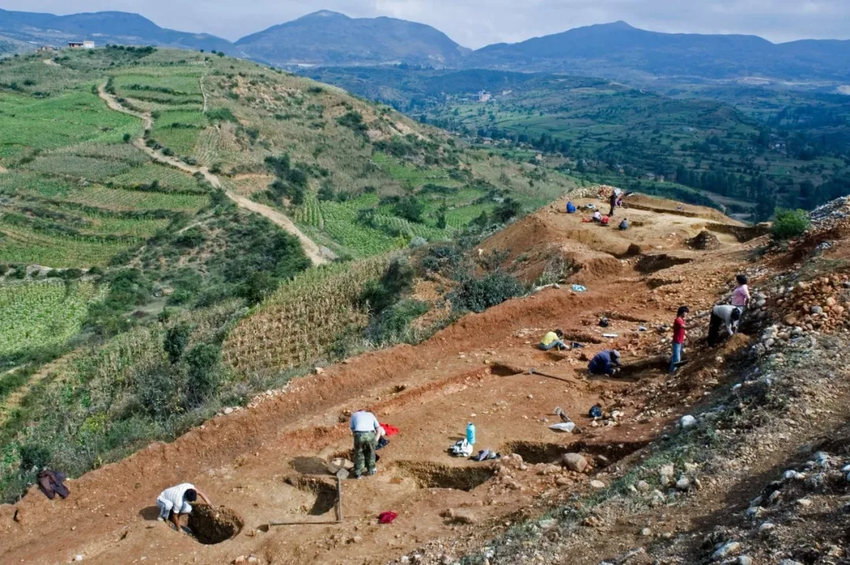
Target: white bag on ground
(563,427)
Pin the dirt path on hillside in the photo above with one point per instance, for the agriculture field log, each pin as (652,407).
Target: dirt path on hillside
(3,170)
(313,251)
(310,248)
(266,462)
(51,63)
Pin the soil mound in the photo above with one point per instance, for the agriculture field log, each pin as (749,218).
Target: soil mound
(705,240)
(214,525)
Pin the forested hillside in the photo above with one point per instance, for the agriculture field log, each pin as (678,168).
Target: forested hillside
(751,160)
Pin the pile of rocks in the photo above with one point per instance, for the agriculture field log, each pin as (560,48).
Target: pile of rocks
(827,215)
(704,240)
(822,304)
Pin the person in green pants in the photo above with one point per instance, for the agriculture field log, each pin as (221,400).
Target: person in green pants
(364,426)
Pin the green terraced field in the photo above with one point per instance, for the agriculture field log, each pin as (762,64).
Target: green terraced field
(69,119)
(22,245)
(128,200)
(42,314)
(168,178)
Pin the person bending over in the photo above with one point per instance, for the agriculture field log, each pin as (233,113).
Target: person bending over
(175,501)
(604,363)
(722,315)
(364,428)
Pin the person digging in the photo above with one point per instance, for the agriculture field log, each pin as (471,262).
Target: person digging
(176,501)
(605,363)
(723,315)
(364,428)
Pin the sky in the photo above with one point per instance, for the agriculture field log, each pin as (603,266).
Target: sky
(476,23)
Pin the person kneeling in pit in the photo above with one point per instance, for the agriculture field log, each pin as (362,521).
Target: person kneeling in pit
(176,501)
(552,340)
(605,363)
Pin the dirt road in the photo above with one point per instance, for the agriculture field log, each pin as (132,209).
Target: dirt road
(313,251)
(267,462)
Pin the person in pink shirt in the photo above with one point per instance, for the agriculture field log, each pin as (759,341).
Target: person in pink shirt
(741,296)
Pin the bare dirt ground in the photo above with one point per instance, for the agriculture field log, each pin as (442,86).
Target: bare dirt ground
(313,252)
(267,462)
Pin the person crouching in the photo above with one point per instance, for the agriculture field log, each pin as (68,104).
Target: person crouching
(176,501)
(604,363)
(552,340)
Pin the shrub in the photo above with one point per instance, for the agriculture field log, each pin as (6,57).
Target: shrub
(204,374)
(33,456)
(383,293)
(191,238)
(507,210)
(479,294)
(157,389)
(790,223)
(392,325)
(258,287)
(221,115)
(353,120)
(176,340)
(409,208)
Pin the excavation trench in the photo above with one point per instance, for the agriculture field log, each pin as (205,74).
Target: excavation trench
(654,263)
(326,493)
(434,475)
(604,454)
(214,525)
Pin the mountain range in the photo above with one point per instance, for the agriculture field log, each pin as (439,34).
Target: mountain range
(325,38)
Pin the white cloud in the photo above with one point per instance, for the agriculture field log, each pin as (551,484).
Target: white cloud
(475,23)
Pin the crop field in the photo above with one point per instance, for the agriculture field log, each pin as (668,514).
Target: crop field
(340,221)
(411,176)
(169,179)
(69,119)
(128,200)
(76,167)
(23,245)
(302,318)
(42,313)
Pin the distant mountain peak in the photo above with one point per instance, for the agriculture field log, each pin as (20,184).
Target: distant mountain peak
(324,14)
(619,24)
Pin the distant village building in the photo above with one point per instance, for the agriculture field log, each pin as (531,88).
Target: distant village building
(484,96)
(81,44)
(44,48)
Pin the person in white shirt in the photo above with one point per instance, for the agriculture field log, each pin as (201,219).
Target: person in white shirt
(365,428)
(177,500)
(722,314)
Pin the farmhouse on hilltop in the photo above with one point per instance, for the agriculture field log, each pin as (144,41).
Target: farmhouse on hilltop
(81,44)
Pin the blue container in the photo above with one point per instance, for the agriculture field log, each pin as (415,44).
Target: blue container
(470,433)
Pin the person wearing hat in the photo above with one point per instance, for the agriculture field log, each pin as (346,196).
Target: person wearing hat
(604,363)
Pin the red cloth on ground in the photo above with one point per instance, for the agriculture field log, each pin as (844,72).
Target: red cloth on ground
(391,430)
(387,517)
